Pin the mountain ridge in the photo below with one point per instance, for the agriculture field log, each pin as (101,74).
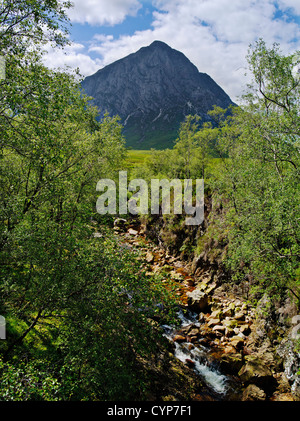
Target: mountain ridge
(152,90)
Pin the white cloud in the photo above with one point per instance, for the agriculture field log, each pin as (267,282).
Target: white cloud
(72,56)
(102,12)
(213,34)
(291,4)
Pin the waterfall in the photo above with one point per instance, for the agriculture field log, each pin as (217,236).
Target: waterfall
(292,367)
(196,356)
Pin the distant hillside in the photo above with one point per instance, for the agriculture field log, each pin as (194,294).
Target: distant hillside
(152,91)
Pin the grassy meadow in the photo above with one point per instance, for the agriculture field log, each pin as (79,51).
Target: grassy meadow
(136,158)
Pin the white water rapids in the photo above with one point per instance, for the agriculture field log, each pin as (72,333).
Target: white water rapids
(212,377)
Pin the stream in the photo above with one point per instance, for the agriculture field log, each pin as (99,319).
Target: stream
(223,387)
(196,356)
(198,339)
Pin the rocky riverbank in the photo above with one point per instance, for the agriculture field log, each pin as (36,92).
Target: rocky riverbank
(238,337)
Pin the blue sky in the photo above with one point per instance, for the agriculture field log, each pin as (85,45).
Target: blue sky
(213,34)
(141,21)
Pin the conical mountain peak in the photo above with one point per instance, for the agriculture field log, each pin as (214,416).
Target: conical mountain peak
(152,91)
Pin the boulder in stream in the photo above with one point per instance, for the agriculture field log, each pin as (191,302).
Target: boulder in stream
(256,372)
(198,301)
(253,393)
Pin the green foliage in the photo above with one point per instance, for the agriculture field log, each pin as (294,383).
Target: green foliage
(186,146)
(261,176)
(26,23)
(135,159)
(23,382)
(77,305)
(189,157)
(93,298)
(255,177)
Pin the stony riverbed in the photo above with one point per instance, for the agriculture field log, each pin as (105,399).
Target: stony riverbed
(222,338)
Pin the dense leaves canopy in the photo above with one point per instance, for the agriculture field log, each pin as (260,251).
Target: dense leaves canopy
(77,306)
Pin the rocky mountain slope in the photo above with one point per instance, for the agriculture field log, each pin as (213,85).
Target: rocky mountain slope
(152,91)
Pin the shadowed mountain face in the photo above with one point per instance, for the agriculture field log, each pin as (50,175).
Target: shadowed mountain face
(152,91)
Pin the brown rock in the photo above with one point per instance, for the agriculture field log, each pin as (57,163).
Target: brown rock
(231,362)
(198,300)
(186,329)
(219,328)
(179,338)
(283,397)
(194,332)
(192,339)
(190,363)
(149,257)
(229,349)
(189,281)
(228,312)
(239,316)
(256,372)
(213,322)
(237,342)
(245,329)
(253,393)
(132,232)
(217,314)
(230,323)
(229,332)
(283,383)
(203,341)
(202,318)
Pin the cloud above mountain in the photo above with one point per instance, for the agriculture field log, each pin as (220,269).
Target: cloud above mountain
(102,12)
(213,34)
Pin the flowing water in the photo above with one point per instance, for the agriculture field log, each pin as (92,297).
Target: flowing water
(197,358)
(292,366)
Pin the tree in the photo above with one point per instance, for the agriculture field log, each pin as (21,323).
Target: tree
(187,148)
(262,177)
(77,306)
(25,26)
(28,23)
